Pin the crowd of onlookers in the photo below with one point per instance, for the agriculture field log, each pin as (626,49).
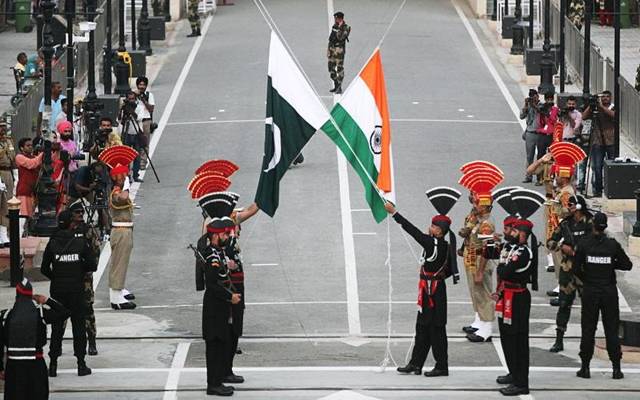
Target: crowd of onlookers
(593,130)
(71,143)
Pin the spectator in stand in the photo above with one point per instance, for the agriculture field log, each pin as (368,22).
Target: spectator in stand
(602,138)
(572,120)
(28,171)
(605,12)
(56,106)
(34,65)
(21,65)
(531,113)
(546,124)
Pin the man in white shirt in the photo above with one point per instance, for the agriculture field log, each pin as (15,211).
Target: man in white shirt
(56,106)
(572,120)
(144,109)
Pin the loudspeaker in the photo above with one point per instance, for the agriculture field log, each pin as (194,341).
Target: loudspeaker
(158,31)
(621,179)
(507,23)
(533,57)
(629,332)
(139,63)
(110,105)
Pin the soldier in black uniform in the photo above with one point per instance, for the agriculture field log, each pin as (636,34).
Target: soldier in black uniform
(84,230)
(438,263)
(23,331)
(569,232)
(217,329)
(66,261)
(517,267)
(597,258)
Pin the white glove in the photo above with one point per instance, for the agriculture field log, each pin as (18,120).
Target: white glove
(127,184)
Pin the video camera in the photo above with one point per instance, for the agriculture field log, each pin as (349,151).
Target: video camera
(65,157)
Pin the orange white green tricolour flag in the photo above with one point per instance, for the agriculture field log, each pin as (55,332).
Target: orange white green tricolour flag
(364,134)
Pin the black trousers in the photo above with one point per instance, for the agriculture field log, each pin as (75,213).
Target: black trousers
(515,340)
(232,354)
(594,302)
(26,380)
(76,303)
(430,337)
(218,358)
(564,310)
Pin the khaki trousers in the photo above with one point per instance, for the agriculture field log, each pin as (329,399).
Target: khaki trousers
(121,247)
(481,299)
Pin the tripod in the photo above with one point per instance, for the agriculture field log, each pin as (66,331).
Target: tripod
(595,127)
(128,121)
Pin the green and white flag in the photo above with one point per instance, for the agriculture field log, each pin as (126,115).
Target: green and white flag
(294,114)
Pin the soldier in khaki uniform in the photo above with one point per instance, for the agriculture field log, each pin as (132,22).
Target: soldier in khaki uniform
(335,53)
(7,163)
(542,168)
(480,177)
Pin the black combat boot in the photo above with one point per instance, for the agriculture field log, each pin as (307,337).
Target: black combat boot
(437,372)
(617,372)
(194,32)
(92,350)
(83,370)
(558,346)
(198,32)
(584,371)
(338,89)
(410,369)
(335,86)
(505,379)
(53,367)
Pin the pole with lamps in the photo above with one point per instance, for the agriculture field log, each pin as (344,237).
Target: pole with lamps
(546,64)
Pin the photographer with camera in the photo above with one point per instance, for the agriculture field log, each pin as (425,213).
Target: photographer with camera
(28,170)
(603,114)
(548,117)
(144,109)
(572,120)
(131,133)
(106,136)
(531,113)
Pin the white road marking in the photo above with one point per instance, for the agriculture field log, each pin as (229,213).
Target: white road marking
(498,346)
(106,252)
(221,110)
(230,121)
(364,233)
(485,58)
(455,121)
(376,369)
(265,265)
(177,365)
(350,270)
(360,210)
(623,305)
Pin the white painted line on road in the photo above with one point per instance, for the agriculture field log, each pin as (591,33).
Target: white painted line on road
(360,209)
(485,58)
(461,121)
(497,344)
(350,270)
(376,369)
(230,121)
(265,265)
(364,233)
(177,365)
(166,113)
(623,305)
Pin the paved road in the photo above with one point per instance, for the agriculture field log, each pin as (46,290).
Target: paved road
(301,340)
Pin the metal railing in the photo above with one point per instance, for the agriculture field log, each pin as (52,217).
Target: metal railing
(22,119)
(537,14)
(601,76)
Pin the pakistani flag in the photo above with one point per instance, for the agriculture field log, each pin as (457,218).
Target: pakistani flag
(294,114)
(364,136)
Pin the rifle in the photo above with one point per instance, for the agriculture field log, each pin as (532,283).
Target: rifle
(201,263)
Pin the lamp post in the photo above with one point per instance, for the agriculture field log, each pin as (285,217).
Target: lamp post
(517,45)
(586,72)
(44,221)
(121,69)
(107,55)
(563,70)
(69,12)
(133,24)
(91,114)
(144,29)
(494,13)
(546,64)
(530,24)
(167,12)
(616,76)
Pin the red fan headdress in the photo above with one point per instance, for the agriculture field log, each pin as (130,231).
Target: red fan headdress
(481,177)
(206,183)
(118,158)
(566,155)
(223,167)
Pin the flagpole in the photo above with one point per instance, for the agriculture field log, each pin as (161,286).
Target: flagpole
(272,25)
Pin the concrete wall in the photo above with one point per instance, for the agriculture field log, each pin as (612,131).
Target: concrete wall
(178,9)
(479,7)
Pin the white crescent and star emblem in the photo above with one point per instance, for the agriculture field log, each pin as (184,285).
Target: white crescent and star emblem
(277,147)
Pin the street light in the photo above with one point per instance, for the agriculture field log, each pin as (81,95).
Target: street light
(69,12)
(586,72)
(44,221)
(546,64)
(144,30)
(517,45)
(563,69)
(494,14)
(167,12)
(91,113)
(108,52)
(120,67)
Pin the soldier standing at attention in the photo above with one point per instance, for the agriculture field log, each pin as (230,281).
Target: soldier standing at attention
(597,257)
(194,18)
(337,44)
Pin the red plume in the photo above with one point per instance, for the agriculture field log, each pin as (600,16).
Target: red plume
(119,154)
(224,167)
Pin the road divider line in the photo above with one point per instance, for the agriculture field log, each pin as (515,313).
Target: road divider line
(265,265)
(177,365)
(166,113)
(417,120)
(230,121)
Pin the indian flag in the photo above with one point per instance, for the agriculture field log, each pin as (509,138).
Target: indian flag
(364,136)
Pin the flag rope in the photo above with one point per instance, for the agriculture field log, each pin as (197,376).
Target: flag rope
(388,355)
(274,27)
